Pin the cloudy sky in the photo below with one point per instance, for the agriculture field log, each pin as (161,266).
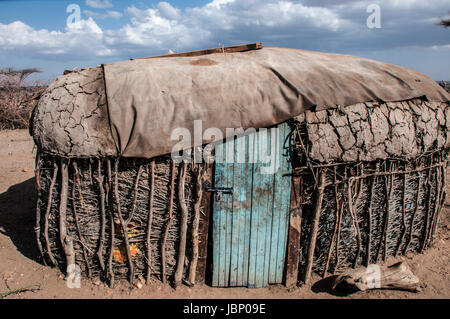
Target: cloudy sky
(55,35)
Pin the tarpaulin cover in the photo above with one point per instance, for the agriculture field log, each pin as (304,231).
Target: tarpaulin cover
(149,98)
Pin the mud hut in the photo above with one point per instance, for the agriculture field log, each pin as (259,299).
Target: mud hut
(361,153)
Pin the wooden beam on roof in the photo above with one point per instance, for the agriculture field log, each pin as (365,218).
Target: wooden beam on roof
(231,49)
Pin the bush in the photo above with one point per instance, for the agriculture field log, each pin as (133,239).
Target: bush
(17,102)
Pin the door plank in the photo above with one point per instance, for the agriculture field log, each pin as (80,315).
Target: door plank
(261,214)
(222,221)
(282,187)
(242,190)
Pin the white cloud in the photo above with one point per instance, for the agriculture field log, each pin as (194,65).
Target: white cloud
(329,25)
(441,47)
(82,38)
(107,15)
(167,11)
(99,4)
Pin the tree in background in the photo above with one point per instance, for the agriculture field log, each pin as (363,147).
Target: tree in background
(445,22)
(11,75)
(18,97)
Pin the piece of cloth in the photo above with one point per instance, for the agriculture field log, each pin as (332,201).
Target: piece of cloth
(149,98)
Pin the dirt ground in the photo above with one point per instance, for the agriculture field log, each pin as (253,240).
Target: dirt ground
(20,267)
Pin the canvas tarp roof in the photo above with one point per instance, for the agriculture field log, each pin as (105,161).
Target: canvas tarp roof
(148,98)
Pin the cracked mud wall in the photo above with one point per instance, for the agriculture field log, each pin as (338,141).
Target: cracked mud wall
(74,110)
(377,131)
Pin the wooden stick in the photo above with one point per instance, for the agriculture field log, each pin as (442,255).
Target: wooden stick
(336,222)
(442,201)
(437,201)
(238,48)
(100,180)
(369,219)
(436,207)
(354,213)
(315,227)
(385,221)
(384,173)
(37,228)
(122,221)
(77,225)
(294,234)
(77,176)
(427,212)
(183,227)
(388,210)
(402,236)
(195,225)
(205,211)
(47,213)
(350,197)
(412,217)
(66,241)
(136,184)
(166,230)
(111,222)
(150,220)
(338,239)
(90,172)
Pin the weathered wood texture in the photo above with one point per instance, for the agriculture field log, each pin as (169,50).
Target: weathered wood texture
(250,225)
(294,234)
(203,229)
(231,49)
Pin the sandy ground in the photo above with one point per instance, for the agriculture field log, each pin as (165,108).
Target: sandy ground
(20,266)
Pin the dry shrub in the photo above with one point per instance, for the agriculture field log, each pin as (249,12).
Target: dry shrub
(17,100)
(445,85)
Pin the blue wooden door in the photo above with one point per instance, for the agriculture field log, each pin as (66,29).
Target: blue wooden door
(251,213)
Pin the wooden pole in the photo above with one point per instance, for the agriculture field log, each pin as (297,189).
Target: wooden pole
(294,234)
(37,227)
(315,227)
(150,220)
(166,230)
(336,223)
(402,236)
(77,225)
(183,227)
(416,208)
(100,180)
(111,223)
(47,213)
(195,225)
(66,241)
(122,221)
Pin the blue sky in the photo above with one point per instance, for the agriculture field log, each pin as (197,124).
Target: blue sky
(35,33)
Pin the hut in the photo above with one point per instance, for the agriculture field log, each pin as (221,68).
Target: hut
(361,150)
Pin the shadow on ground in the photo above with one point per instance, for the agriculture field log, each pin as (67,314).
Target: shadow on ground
(326,285)
(17,218)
